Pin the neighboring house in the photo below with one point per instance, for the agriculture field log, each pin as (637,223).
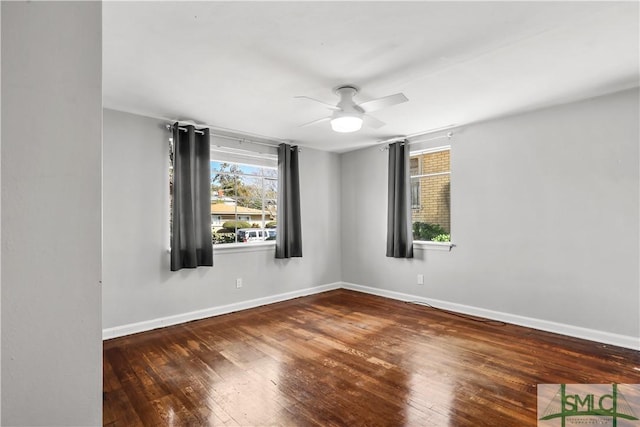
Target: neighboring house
(221,212)
(221,198)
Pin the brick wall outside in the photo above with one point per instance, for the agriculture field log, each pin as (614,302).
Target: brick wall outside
(434,206)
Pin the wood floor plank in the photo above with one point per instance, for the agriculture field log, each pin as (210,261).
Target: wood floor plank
(343,358)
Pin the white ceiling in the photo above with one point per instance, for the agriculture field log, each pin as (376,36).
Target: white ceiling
(238,65)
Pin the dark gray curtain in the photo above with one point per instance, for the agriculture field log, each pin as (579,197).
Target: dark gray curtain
(289,228)
(191,244)
(399,235)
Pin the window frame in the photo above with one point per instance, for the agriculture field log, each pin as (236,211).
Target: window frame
(266,154)
(264,192)
(428,244)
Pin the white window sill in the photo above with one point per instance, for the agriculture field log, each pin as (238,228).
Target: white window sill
(231,248)
(432,246)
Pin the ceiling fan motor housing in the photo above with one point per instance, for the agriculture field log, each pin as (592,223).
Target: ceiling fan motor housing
(347,104)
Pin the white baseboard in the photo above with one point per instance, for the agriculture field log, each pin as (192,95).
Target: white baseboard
(147,325)
(543,325)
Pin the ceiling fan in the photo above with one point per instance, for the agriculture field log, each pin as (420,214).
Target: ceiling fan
(348,116)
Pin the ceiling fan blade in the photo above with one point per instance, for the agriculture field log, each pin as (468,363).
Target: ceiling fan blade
(329,106)
(324,119)
(372,122)
(380,103)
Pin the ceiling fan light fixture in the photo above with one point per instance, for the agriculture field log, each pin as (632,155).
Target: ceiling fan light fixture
(346,123)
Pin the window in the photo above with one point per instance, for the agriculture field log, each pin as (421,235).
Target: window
(244,197)
(430,194)
(244,191)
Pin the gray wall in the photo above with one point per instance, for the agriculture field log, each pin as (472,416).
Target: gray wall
(51,213)
(138,285)
(0,218)
(544,215)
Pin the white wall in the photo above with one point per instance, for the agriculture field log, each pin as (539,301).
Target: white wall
(51,213)
(544,215)
(0,217)
(138,285)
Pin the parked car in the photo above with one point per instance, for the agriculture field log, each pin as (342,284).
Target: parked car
(253,235)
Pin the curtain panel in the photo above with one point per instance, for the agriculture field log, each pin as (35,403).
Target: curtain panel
(399,234)
(191,244)
(289,228)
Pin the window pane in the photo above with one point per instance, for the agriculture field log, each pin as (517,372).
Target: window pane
(221,234)
(249,206)
(271,191)
(221,187)
(414,166)
(252,192)
(415,193)
(243,202)
(435,162)
(430,196)
(245,212)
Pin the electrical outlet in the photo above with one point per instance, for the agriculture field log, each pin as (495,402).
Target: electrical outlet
(420,279)
(239,282)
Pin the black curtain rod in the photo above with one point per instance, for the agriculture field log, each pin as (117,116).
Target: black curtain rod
(170,127)
(235,138)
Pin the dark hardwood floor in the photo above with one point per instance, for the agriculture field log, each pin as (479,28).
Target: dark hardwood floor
(343,358)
